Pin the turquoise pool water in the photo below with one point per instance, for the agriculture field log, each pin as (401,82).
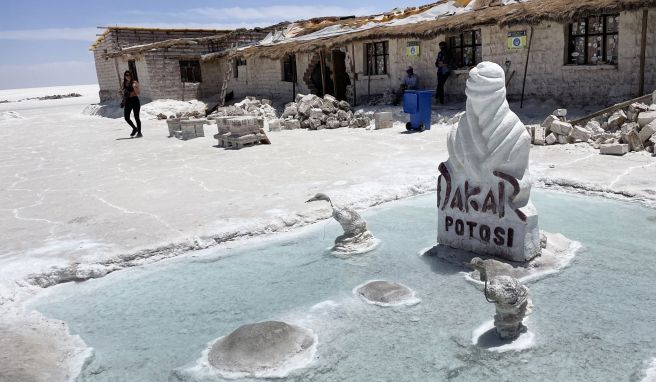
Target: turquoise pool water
(595,321)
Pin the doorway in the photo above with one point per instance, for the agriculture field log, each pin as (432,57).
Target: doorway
(341,78)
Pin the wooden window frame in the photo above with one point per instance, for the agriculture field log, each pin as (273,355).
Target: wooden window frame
(466,39)
(370,61)
(190,71)
(572,36)
(132,67)
(239,61)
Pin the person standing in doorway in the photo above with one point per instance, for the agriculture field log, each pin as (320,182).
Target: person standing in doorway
(443,71)
(131,102)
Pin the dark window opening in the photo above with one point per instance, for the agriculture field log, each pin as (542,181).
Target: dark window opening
(376,56)
(213,47)
(466,49)
(190,71)
(238,62)
(132,66)
(593,40)
(289,68)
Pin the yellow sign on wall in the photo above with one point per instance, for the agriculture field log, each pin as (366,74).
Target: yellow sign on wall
(517,40)
(412,49)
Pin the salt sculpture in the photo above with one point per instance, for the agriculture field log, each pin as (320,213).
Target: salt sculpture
(356,238)
(511,300)
(262,348)
(484,187)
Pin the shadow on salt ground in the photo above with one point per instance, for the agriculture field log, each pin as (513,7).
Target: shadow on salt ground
(446,260)
(490,339)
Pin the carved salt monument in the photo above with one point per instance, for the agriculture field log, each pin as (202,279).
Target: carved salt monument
(512,304)
(483,190)
(356,238)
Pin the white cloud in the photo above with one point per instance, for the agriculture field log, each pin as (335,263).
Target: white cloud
(75,34)
(47,74)
(276,12)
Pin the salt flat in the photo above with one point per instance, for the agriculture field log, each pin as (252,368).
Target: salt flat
(78,196)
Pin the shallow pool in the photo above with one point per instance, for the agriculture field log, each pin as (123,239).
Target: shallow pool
(596,320)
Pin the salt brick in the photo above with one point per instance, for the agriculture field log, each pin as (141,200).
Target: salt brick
(538,135)
(551,139)
(614,149)
(647,131)
(560,127)
(646,118)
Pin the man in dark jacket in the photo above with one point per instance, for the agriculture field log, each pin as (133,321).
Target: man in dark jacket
(443,71)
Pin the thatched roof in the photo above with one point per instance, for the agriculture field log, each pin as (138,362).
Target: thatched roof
(224,40)
(107,30)
(484,12)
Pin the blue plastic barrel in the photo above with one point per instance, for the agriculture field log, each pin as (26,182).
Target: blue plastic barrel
(418,103)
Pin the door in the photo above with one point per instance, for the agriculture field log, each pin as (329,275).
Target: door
(341,78)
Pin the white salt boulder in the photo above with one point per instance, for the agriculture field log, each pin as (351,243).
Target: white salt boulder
(386,293)
(269,348)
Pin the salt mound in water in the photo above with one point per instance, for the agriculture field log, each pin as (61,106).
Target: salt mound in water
(386,293)
(259,349)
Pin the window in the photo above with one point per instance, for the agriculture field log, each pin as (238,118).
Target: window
(213,46)
(132,66)
(289,68)
(190,71)
(238,62)
(376,58)
(593,40)
(465,49)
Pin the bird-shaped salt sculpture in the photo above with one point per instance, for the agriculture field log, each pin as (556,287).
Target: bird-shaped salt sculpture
(356,238)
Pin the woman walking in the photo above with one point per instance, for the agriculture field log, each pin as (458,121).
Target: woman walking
(131,102)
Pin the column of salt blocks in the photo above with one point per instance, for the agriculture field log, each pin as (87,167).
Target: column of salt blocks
(223,131)
(192,128)
(174,126)
(244,130)
(383,120)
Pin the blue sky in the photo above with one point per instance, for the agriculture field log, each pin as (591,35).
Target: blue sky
(45,43)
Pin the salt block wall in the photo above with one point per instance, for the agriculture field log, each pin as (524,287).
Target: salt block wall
(549,77)
(108,80)
(423,65)
(262,77)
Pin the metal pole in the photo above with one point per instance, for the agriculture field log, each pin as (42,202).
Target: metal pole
(323,75)
(355,84)
(294,78)
(528,56)
(643,48)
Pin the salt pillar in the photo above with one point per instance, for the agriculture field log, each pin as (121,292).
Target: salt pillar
(483,190)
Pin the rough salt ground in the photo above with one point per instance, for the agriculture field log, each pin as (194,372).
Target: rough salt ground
(72,192)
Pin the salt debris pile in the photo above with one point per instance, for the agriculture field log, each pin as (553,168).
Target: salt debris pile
(632,128)
(315,113)
(249,106)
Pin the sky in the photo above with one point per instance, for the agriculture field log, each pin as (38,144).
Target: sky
(46,43)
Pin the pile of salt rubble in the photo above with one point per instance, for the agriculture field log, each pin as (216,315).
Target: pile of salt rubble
(316,113)
(249,106)
(630,129)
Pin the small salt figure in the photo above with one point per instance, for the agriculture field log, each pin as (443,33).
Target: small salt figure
(512,304)
(357,237)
